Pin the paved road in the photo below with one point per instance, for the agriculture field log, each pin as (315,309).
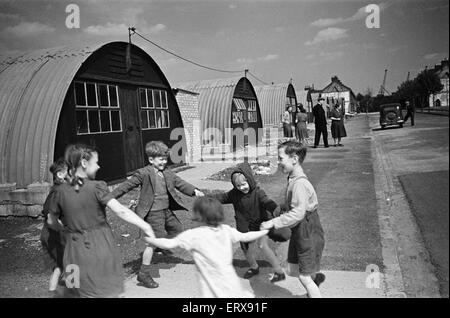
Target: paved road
(417,158)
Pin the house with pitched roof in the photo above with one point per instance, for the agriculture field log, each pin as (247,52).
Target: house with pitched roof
(337,92)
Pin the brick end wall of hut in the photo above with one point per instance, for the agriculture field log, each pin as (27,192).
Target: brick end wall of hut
(188,105)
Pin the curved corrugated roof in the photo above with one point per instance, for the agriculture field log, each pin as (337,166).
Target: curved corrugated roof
(272,102)
(214,100)
(32,91)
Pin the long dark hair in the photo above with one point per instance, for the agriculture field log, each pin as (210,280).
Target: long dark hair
(57,166)
(73,156)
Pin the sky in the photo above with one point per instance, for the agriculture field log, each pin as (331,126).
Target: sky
(306,41)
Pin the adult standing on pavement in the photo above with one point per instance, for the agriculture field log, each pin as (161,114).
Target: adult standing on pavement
(337,125)
(320,123)
(301,129)
(286,120)
(410,110)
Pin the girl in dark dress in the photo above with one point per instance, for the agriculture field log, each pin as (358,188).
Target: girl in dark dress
(91,255)
(52,241)
(337,125)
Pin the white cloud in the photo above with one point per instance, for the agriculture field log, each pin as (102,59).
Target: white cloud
(369,46)
(395,49)
(109,29)
(115,29)
(280,29)
(310,56)
(331,56)
(431,56)
(327,22)
(156,28)
(168,62)
(28,29)
(327,35)
(268,57)
(9,16)
(232,6)
(359,15)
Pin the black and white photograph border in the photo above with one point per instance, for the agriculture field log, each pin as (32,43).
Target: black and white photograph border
(203,148)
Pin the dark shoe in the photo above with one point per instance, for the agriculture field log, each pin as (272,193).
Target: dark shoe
(340,145)
(160,251)
(334,145)
(277,277)
(251,272)
(327,146)
(147,280)
(314,146)
(319,279)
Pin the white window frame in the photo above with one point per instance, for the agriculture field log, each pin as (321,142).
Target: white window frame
(98,108)
(152,110)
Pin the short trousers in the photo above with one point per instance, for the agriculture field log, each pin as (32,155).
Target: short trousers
(164,223)
(306,244)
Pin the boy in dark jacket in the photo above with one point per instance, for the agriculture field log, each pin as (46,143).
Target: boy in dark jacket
(157,200)
(251,205)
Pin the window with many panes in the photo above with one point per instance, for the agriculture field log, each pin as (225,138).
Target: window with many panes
(252,113)
(154,108)
(97,108)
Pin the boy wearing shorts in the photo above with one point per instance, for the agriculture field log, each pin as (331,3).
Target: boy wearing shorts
(307,238)
(157,200)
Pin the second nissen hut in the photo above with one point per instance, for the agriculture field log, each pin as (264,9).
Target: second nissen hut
(229,111)
(274,100)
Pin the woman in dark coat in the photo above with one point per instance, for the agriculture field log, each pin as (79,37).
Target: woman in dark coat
(337,125)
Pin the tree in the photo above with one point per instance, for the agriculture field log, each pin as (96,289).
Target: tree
(407,90)
(428,83)
(365,100)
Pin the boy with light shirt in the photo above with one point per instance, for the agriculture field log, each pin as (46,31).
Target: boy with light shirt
(307,238)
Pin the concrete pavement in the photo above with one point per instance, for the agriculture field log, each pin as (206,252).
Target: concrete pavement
(363,228)
(343,178)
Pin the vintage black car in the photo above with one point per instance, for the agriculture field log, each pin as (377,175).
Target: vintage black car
(391,115)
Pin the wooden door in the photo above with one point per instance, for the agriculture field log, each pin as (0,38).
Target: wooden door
(133,152)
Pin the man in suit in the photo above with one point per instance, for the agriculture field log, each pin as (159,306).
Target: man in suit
(157,200)
(409,112)
(320,122)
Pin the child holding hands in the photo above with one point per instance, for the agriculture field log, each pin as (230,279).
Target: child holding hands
(307,238)
(211,247)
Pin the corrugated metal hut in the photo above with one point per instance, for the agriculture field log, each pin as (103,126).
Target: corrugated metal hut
(227,105)
(273,100)
(98,95)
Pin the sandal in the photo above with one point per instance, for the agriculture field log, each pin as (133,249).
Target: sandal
(251,272)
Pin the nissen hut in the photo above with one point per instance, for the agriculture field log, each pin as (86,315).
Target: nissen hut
(274,100)
(99,95)
(228,107)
